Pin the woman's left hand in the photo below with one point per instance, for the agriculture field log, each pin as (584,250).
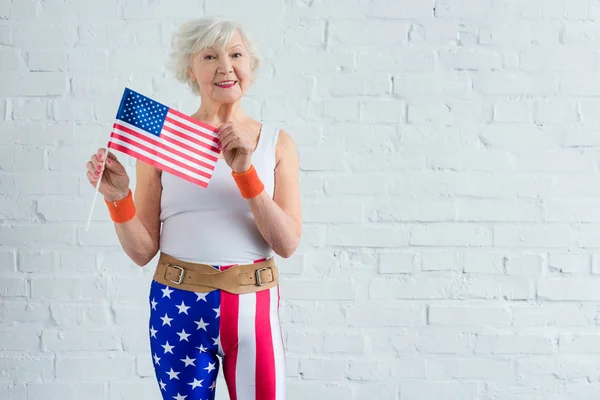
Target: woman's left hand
(237,147)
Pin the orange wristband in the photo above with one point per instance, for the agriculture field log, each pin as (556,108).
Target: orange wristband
(249,183)
(122,210)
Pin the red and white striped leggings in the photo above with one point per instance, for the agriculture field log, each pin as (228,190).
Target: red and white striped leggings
(190,331)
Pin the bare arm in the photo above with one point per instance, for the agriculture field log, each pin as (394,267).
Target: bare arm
(279,220)
(140,236)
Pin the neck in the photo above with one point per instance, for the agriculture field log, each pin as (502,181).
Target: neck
(216,114)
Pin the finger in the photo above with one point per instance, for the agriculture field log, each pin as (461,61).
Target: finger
(224,127)
(234,143)
(100,154)
(92,170)
(96,163)
(92,178)
(226,143)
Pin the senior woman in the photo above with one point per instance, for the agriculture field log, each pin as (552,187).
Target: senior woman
(215,292)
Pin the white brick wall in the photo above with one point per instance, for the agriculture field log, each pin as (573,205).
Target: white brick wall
(449,156)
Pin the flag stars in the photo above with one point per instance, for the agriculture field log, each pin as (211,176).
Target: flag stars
(166,320)
(183,335)
(211,367)
(153,332)
(168,348)
(201,324)
(188,361)
(167,292)
(173,375)
(183,308)
(196,383)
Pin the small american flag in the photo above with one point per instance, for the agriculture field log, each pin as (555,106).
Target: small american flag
(165,138)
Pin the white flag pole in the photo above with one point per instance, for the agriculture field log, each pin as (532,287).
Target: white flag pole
(87,226)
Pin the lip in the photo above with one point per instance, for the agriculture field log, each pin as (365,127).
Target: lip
(229,85)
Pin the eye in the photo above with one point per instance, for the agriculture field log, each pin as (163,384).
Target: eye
(237,55)
(208,57)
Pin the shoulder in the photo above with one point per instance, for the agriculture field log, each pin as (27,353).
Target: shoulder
(286,146)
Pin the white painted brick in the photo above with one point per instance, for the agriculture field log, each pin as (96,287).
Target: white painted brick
(385,314)
(513,111)
(143,388)
(394,263)
(469,316)
(41,60)
(568,289)
(43,182)
(302,342)
(323,290)
(427,389)
(561,315)
(442,234)
(36,234)
(81,313)
(483,262)
(570,263)
(84,287)
(352,84)
(359,33)
(401,59)
(533,236)
(382,111)
(367,236)
(525,264)
(564,367)
(80,340)
(579,343)
(323,369)
(440,261)
(408,210)
(423,85)
(558,60)
(21,311)
(21,339)
(331,212)
(345,343)
(14,285)
(410,288)
(377,391)
(361,184)
(6,35)
(432,343)
(16,209)
(321,160)
(474,210)
(30,110)
(513,83)
(11,60)
(25,368)
(90,391)
(101,367)
(370,369)
(303,390)
(513,344)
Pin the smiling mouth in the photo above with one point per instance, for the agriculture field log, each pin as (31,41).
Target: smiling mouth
(226,84)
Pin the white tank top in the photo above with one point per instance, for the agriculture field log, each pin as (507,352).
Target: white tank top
(215,225)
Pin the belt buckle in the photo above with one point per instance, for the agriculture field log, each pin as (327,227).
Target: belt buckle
(181,274)
(259,282)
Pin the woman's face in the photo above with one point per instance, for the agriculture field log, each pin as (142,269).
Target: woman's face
(223,76)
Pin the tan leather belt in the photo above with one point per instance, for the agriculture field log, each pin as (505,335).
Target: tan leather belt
(239,279)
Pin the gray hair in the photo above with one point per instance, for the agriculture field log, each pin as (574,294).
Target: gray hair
(199,34)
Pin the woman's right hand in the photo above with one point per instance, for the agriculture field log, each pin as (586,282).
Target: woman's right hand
(115,181)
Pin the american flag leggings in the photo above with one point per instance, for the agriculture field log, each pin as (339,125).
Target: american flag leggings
(190,331)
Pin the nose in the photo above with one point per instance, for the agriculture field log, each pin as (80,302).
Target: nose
(225,66)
